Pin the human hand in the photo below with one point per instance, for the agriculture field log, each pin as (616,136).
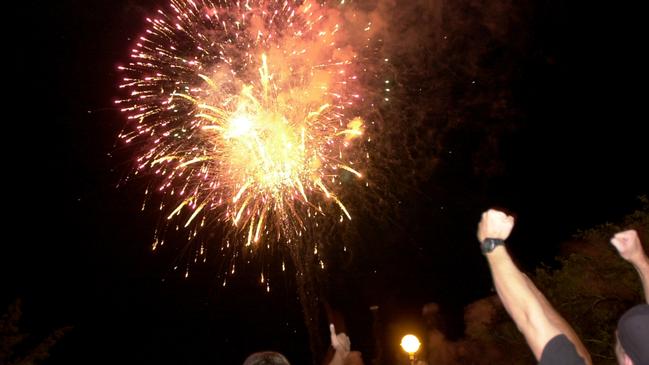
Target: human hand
(628,246)
(495,224)
(340,342)
(354,358)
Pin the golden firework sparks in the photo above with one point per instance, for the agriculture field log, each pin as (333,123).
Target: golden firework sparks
(244,112)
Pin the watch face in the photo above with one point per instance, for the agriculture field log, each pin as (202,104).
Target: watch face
(489,244)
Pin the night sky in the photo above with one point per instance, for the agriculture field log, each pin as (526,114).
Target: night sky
(536,106)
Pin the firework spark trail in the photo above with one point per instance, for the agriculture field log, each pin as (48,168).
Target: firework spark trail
(244,112)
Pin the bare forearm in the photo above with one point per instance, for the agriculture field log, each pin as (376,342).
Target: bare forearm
(533,314)
(522,301)
(628,244)
(558,322)
(642,267)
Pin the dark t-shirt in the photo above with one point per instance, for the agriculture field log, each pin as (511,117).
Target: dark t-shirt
(560,351)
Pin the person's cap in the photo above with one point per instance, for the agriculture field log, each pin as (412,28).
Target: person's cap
(633,332)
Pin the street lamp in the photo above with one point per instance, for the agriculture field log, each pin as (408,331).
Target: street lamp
(410,344)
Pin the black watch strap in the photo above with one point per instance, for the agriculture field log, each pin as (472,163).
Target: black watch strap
(489,244)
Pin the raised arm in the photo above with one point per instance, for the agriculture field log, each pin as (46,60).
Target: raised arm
(341,344)
(628,245)
(533,314)
(342,349)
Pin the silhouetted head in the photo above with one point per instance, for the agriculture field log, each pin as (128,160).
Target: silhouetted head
(632,345)
(266,358)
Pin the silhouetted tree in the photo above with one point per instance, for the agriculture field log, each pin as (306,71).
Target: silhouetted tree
(593,285)
(14,346)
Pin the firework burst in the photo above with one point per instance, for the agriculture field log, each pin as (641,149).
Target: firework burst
(244,112)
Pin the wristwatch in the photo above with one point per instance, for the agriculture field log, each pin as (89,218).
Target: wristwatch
(489,244)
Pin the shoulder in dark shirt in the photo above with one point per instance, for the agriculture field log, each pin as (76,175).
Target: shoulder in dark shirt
(560,351)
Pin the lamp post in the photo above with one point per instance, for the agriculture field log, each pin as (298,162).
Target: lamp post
(410,344)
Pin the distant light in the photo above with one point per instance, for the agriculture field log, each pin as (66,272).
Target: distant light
(410,344)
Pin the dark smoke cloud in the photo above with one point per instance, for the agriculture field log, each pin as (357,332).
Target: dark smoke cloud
(453,69)
(453,66)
